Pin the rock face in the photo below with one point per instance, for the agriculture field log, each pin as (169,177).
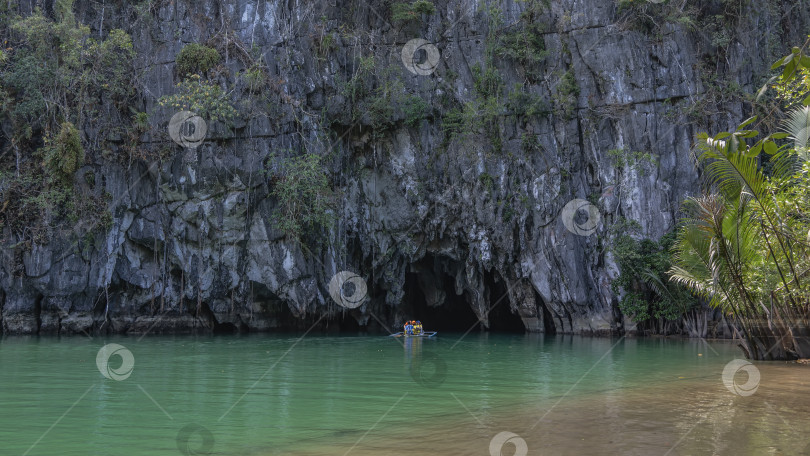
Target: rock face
(459,229)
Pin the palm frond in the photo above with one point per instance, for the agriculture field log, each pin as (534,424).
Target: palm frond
(732,172)
(653,280)
(797,125)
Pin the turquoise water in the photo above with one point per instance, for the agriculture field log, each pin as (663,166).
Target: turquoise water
(364,395)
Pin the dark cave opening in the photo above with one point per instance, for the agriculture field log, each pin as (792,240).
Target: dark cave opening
(456,314)
(345,323)
(501,316)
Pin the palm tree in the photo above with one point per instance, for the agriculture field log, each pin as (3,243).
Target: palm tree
(741,246)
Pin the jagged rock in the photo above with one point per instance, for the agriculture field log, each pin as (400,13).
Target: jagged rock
(194,246)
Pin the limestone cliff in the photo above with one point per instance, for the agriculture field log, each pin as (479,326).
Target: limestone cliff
(435,222)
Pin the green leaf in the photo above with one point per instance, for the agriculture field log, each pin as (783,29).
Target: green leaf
(747,133)
(770,147)
(806,101)
(721,135)
(788,72)
(805,61)
(734,144)
(778,135)
(747,122)
(754,150)
(780,62)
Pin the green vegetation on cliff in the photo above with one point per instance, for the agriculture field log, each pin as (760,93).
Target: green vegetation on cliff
(305,200)
(656,304)
(57,81)
(196,58)
(493,101)
(201,97)
(407,12)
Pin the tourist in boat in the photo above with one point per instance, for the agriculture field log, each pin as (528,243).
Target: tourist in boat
(413,328)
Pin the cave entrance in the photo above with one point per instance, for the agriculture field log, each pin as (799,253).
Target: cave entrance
(345,322)
(456,313)
(501,317)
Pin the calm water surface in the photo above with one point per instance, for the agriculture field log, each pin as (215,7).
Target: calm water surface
(374,395)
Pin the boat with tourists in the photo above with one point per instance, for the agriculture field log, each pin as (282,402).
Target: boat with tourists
(413,328)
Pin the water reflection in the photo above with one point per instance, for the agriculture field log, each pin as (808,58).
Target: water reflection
(412,346)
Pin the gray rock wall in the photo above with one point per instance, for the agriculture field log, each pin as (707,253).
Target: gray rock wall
(194,246)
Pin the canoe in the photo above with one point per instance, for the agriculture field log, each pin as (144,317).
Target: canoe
(424,334)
